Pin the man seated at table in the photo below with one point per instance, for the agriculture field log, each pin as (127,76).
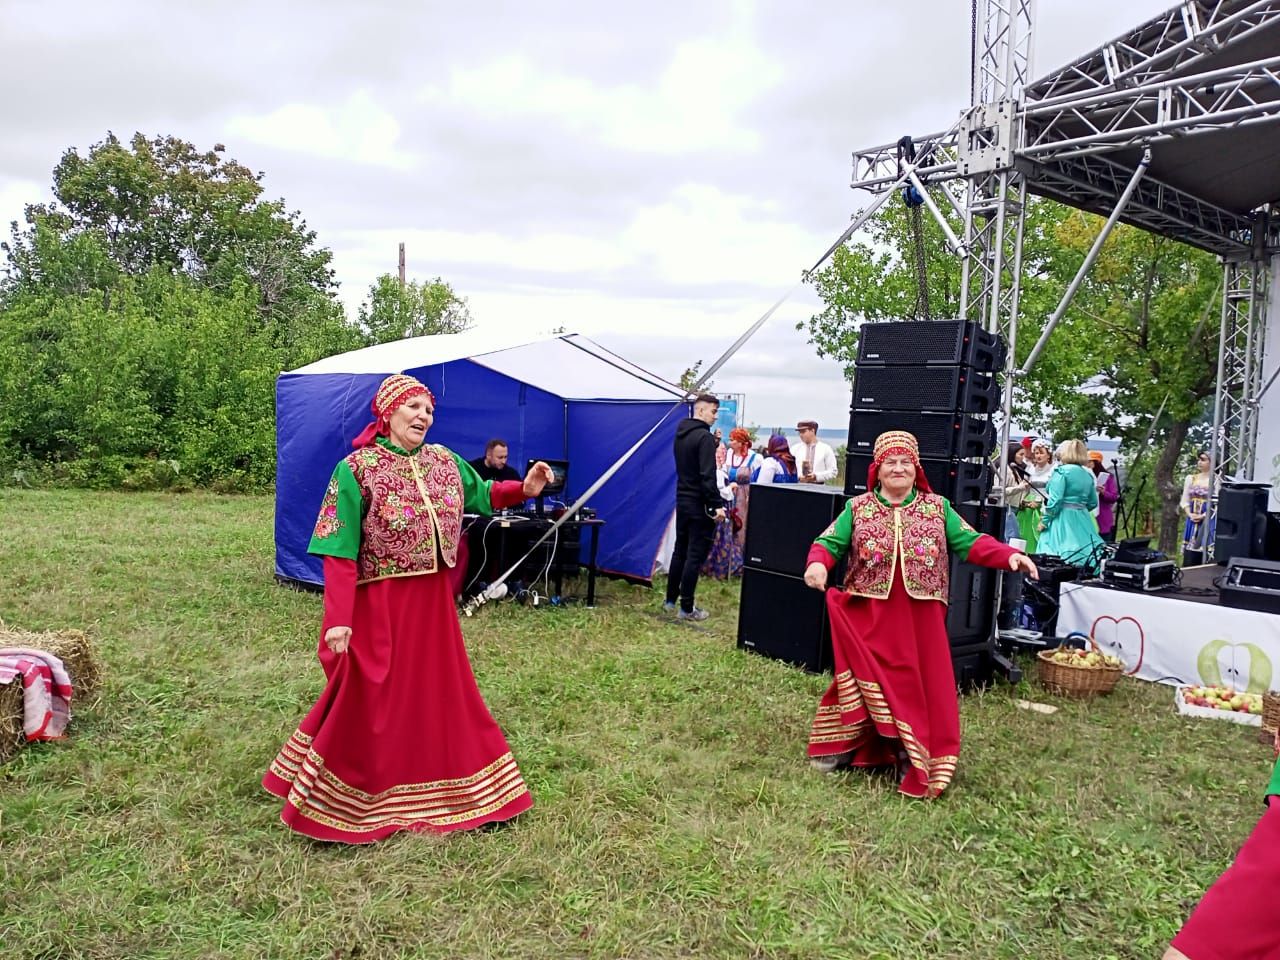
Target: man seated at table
(493,465)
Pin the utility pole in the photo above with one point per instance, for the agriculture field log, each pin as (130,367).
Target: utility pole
(401,266)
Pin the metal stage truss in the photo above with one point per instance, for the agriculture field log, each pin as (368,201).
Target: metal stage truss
(1173,127)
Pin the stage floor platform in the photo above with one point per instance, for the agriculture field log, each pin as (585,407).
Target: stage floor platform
(1199,585)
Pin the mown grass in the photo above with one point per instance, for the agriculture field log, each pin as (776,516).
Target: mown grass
(675,816)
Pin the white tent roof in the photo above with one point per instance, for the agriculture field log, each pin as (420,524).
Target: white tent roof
(569,365)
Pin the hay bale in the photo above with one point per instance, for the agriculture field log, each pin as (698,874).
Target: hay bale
(73,648)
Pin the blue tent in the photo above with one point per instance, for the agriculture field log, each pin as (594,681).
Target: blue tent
(561,397)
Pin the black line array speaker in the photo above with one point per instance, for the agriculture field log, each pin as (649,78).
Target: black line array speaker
(1242,521)
(972,589)
(960,481)
(782,522)
(778,616)
(944,435)
(930,342)
(945,388)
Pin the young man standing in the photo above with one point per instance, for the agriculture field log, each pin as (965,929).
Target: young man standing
(698,505)
(815,460)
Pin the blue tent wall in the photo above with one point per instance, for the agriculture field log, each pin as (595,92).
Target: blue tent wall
(637,501)
(318,414)
(475,404)
(316,417)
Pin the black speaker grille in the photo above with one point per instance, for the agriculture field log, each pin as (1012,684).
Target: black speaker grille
(934,341)
(919,387)
(942,435)
(782,522)
(960,481)
(781,618)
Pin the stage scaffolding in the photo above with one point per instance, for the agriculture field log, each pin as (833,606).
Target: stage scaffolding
(1173,127)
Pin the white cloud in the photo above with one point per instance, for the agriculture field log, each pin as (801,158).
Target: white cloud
(701,235)
(695,104)
(359,129)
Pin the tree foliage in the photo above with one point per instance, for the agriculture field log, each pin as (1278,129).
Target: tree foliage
(146,312)
(1138,335)
(393,312)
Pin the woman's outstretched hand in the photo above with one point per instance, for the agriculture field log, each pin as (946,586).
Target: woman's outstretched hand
(540,474)
(337,639)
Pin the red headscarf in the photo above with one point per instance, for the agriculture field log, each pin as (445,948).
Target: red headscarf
(392,392)
(896,442)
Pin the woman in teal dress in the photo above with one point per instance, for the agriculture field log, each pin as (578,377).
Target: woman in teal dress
(1069,530)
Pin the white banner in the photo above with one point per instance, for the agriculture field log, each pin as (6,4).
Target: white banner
(1167,640)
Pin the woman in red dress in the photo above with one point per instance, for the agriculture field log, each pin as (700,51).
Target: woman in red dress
(400,739)
(893,701)
(1236,918)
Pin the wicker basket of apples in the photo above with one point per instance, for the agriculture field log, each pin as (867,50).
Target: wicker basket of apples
(1220,703)
(1071,672)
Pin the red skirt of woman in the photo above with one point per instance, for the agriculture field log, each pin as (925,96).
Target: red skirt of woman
(1236,919)
(400,739)
(894,689)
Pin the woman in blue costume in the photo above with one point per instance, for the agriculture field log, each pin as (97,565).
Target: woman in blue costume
(1070,532)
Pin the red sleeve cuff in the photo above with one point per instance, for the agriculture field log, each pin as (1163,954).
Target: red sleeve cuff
(987,551)
(339,591)
(506,493)
(820,554)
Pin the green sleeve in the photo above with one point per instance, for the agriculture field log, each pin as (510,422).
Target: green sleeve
(835,539)
(337,530)
(960,536)
(1273,788)
(475,492)
(1092,501)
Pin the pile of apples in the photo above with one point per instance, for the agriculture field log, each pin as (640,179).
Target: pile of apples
(1223,698)
(1084,658)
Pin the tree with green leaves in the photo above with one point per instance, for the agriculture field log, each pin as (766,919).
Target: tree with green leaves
(1135,333)
(393,312)
(126,209)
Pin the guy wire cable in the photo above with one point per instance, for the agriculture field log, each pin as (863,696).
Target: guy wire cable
(859,219)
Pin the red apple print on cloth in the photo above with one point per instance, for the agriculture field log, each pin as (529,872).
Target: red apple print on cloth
(1121,637)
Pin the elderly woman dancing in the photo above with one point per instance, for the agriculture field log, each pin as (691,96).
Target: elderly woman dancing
(401,738)
(893,701)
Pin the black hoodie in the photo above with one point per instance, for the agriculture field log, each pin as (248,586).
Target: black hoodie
(695,450)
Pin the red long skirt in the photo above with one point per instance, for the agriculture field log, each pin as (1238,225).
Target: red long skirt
(1236,919)
(894,688)
(400,739)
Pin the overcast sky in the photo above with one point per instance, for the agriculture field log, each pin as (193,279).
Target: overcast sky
(651,175)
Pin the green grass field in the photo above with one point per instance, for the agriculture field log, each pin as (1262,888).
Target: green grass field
(675,813)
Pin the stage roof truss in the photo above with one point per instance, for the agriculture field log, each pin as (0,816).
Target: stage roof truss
(1133,131)
(1171,81)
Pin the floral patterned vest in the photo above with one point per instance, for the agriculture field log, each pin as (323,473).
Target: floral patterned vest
(915,535)
(413,511)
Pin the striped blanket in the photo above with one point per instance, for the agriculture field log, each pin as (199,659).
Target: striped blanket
(46,690)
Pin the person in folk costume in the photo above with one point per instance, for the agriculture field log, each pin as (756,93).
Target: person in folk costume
(893,701)
(724,559)
(1236,918)
(743,467)
(1198,491)
(1031,510)
(779,466)
(1068,529)
(400,738)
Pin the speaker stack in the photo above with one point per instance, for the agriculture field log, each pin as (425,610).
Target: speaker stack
(938,380)
(778,616)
